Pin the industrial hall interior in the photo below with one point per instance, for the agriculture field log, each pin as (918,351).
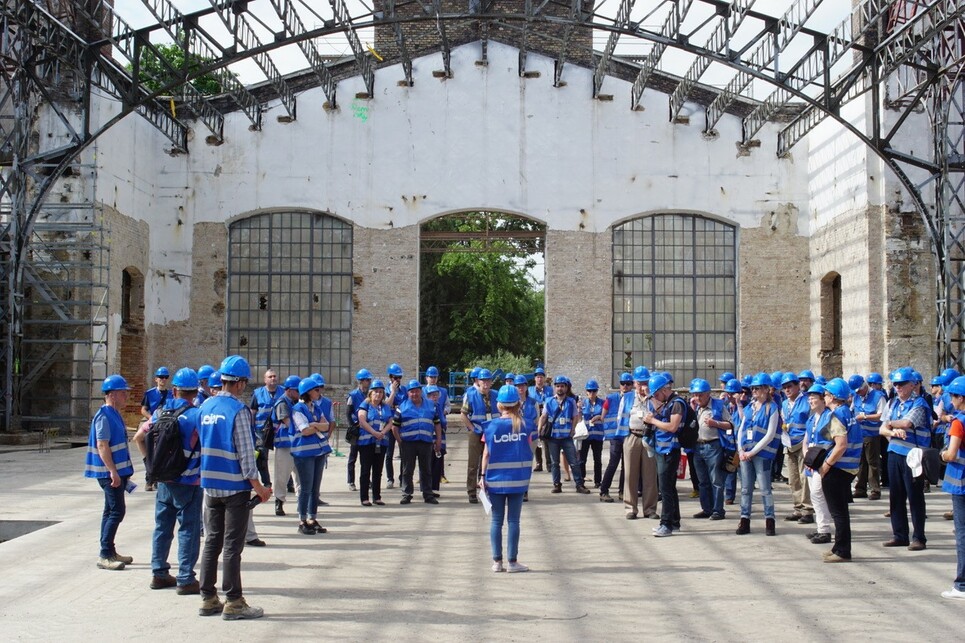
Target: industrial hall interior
(711,185)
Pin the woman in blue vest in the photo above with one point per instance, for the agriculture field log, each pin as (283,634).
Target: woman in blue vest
(109,462)
(820,416)
(954,482)
(733,390)
(841,436)
(309,448)
(592,409)
(374,416)
(507,464)
(757,445)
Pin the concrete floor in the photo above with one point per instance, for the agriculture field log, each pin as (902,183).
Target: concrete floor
(421,572)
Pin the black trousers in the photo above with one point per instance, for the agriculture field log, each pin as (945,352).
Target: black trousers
(836,485)
(370,471)
(411,452)
(597,447)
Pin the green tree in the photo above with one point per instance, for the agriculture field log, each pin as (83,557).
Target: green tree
(156,72)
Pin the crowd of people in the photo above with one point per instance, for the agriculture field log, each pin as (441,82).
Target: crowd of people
(836,439)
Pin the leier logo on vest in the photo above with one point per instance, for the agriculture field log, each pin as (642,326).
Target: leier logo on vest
(509,437)
(211,419)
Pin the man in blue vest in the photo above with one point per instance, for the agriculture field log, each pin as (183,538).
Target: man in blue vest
(228,475)
(540,391)
(478,408)
(109,462)
(417,430)
(153,399)
(795,411)
(355,398)
(262,402)
(869,405)
(179,500)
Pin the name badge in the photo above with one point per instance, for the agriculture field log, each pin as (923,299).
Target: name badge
(489,416)
(750,434)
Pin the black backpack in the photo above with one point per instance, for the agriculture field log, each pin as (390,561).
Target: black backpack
(165,460)
(687,433)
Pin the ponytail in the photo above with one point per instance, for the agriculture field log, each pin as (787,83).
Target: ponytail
(514,413)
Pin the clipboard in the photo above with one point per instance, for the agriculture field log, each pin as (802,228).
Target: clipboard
(484,500)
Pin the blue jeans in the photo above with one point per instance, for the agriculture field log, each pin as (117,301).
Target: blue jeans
(958,509)
(310,478)
(114,510)
(667,464)
(759,469)
(179,503)
(513,502)
(903,487)
(569,450)
(709,461)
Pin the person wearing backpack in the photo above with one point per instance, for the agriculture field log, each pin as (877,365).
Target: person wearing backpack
(179,495)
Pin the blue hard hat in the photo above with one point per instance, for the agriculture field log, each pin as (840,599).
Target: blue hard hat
(657,382)
(363,374)
(205,371)
(726,377)
(507,395)
(903,374)
(776,378)
(432,371)
(509,377)
(746,381)
(917,375)
(733,386)
(806,375)
(875,378)
(377,384)
(186,378)
(234,367)
(592,385)
(162,372)
(292,381)
(474,373)
(816,389)
(956,386)
(484,374)
(855,382)
(789,378)
(761,379)
(413,384)
(950,374)
(838,388)
(114,383)
(560,379)
(214,380)
(430,388)
(520,380)
(318,378)
(938,380)
(394,369)
(821,379)
(641,374)
(698,385)
(626,378)
(539,371)
(668,376)
(306,385)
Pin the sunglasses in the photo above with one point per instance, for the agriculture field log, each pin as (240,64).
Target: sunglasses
(163,377)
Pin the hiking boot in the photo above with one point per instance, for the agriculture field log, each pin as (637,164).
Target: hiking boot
(239,609)
(582,489)
(557,488)
(279,508)
(112,563)
(743,527)
(210,606)
(163,582)
(769,527)
(127,560)
(190,588)
(515,567)
(605,497)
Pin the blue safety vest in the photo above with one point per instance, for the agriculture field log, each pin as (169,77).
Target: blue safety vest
(262,402)
(728,437)
(869,406)
(510,457)
(754,428)
(324,406)
(220,467)
(354,402)
(610,419)
(530,410)
(944,403)
(188,427)
(920,436)
(665,441)
(954,481)
(417,423)
(443,420)
(377,417)
(153,398)
(94,466)
(565,419)
(200,397)
(795,418)
(851,460)
(308,446)
(541,395)
(590,409)
(478,414)
(815,426)
(283,434)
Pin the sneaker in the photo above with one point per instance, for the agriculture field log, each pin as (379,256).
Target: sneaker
(498,566)
(473,500)
(582,489)
(189,589)
(405,500)
(163,582)
(605,497)
(806,519)
(256,542)
(112,563)
(821,539)
(239,609)
(515,567)
(352,487)
(834,558)
(716,516)
(127,560)
(431,500)
(916,545)
(694,494)
(210,606)
(390,484)
(954,594)
(317,527)
(444,480)
(702,514)
(663,531)
(305,529)
(793,517)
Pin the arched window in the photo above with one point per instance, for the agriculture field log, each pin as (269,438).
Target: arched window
(290,293)
(675,296)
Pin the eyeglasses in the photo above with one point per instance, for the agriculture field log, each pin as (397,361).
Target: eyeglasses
(163,377)
(897,384)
